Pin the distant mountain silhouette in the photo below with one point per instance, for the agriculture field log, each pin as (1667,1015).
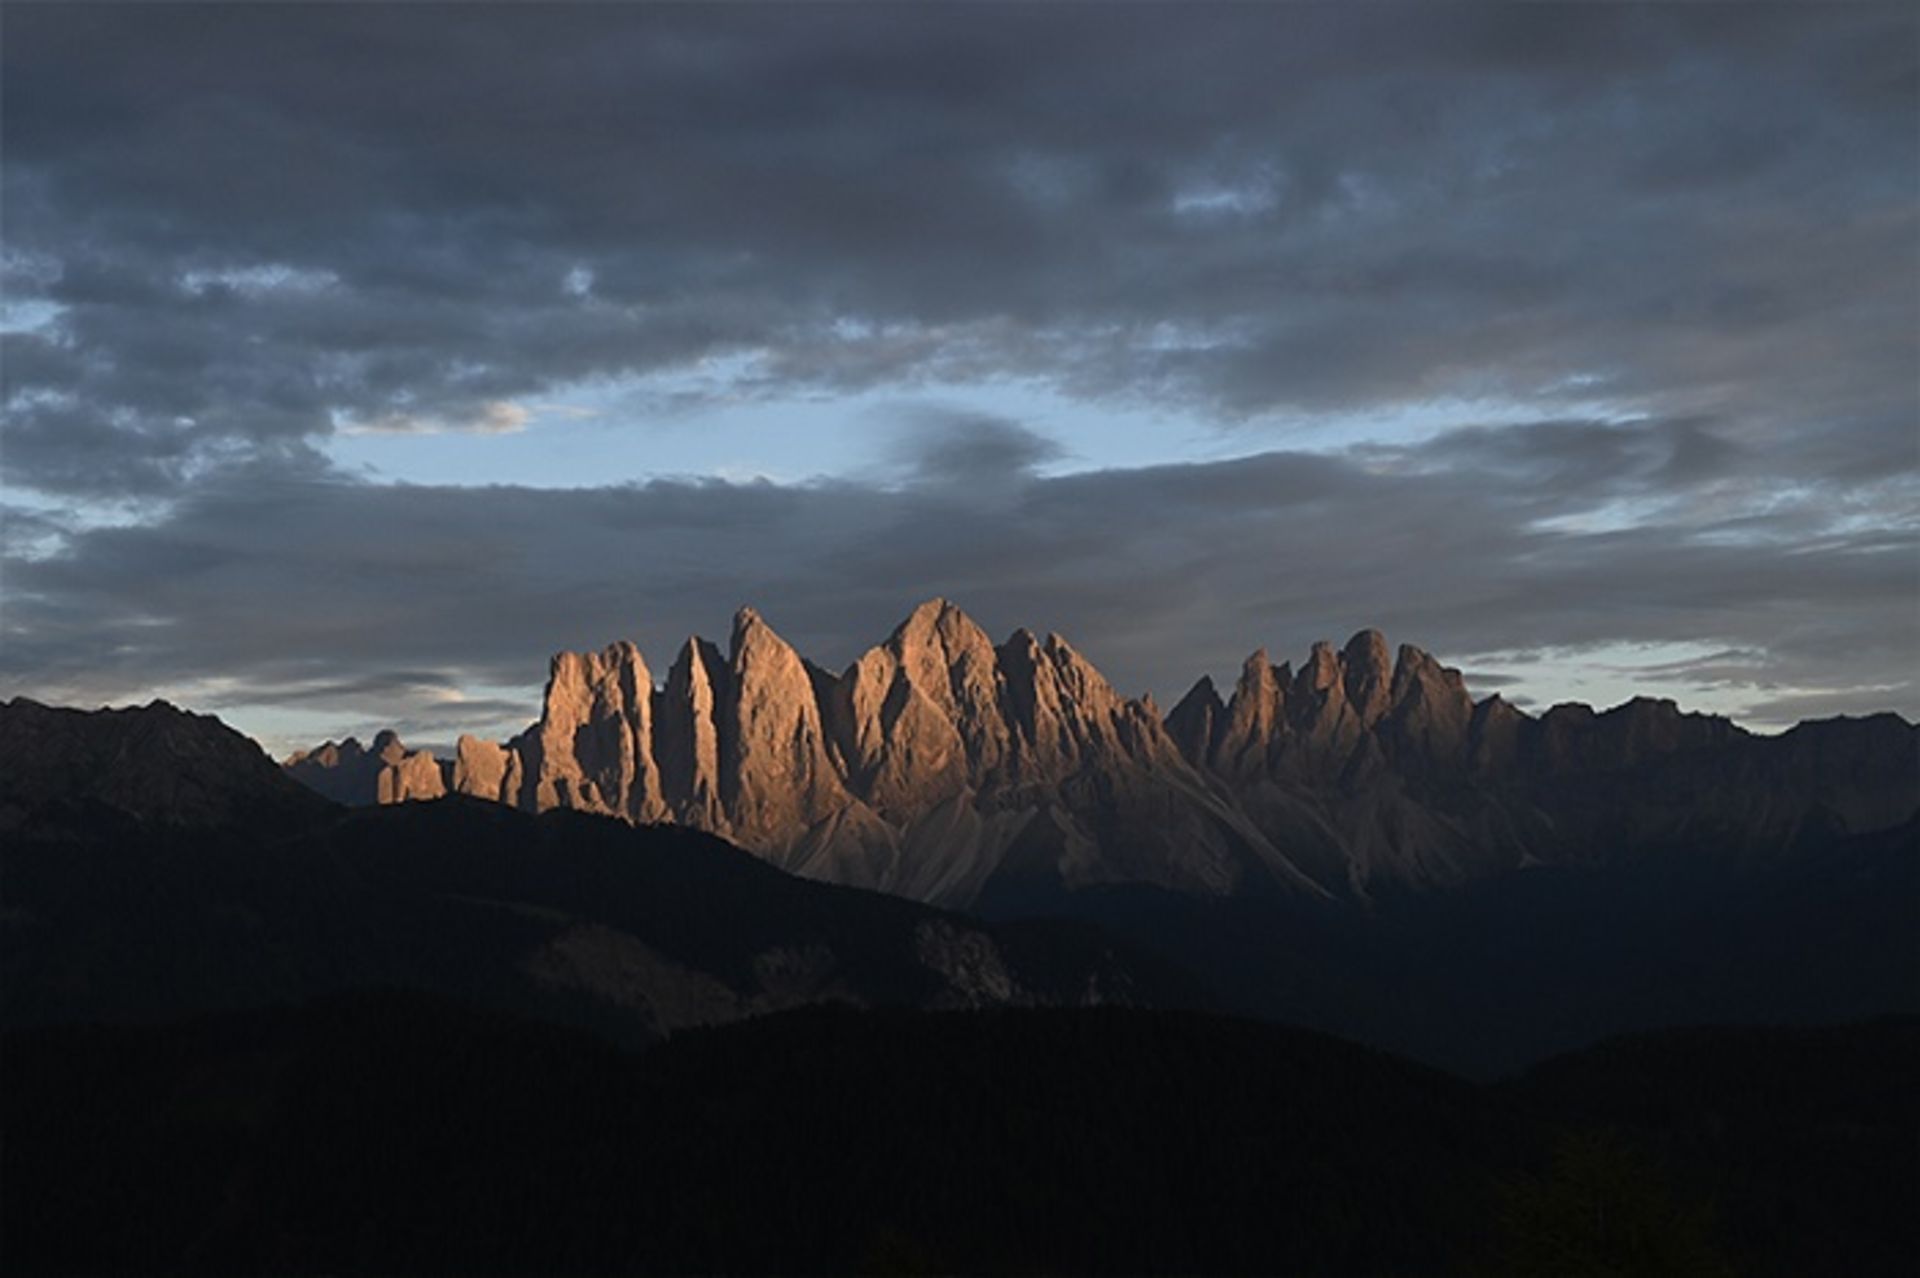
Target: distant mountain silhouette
(156,764)
(942,767)
(386,772)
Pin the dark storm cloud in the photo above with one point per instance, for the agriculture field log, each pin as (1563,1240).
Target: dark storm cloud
(260,221)
(947,446)
(292,591)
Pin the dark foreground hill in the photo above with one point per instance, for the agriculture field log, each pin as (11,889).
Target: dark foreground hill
(122,899)
(385,1133)
(1488,978)
(1806,1142)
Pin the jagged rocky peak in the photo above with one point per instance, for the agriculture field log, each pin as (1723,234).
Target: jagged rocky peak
(413,776)
(916,716)
(1575,736)
(593,746)
(1430,712)
(944,653)
(1253,717)
(938,710)
(1319,708)
(777,777)
(404,775)
(750,627)
(386,772)
(1312,723)
(687,733)
(1321,673)
(485,770)
(1367,669)
(1195,719)
(1079,679)
(1416,665)
(1064,716)
(1037,713)
(328,754)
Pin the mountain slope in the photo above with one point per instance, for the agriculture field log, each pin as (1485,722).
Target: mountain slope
(401,1135)
(154,763)
(1494,975)
(157,908)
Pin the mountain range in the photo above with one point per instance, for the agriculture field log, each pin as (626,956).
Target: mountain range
(942,767)
(1357,847)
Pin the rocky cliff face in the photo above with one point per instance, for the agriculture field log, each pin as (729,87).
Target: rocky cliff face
(946,768)
(387,773)
(593,747)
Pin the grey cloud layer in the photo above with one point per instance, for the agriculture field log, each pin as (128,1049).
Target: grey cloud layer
(252,224)
(295,590)
(260,220)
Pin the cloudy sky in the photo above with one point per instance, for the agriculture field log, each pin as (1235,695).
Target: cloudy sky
(358,357)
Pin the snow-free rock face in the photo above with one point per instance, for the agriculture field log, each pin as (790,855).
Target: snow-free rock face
(687,740)
(486,770)
(593,747)
(411,776)
(777,780)
(917,718)
(943,767)
(386,773)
